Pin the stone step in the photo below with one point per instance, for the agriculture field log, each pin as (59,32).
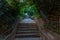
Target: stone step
(26,35)
(29,38)
(27,24)
(27,32)
(26,28)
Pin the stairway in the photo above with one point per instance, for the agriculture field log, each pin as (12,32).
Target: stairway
(27,30)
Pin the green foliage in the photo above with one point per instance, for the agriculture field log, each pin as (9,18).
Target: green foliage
(29,8)
(7,16)
(14,4)
(26,6)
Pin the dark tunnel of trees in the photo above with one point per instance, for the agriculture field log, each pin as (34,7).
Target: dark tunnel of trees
(47,9)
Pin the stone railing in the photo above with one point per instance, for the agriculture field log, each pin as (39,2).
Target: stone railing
(40,27)
(44,34)
(11,36)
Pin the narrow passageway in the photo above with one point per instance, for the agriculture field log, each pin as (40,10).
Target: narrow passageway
(31,31)
(27,30)
(29,20)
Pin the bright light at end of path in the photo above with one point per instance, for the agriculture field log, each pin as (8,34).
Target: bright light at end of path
(21,0)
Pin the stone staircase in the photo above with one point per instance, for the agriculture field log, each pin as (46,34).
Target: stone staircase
(27,30)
